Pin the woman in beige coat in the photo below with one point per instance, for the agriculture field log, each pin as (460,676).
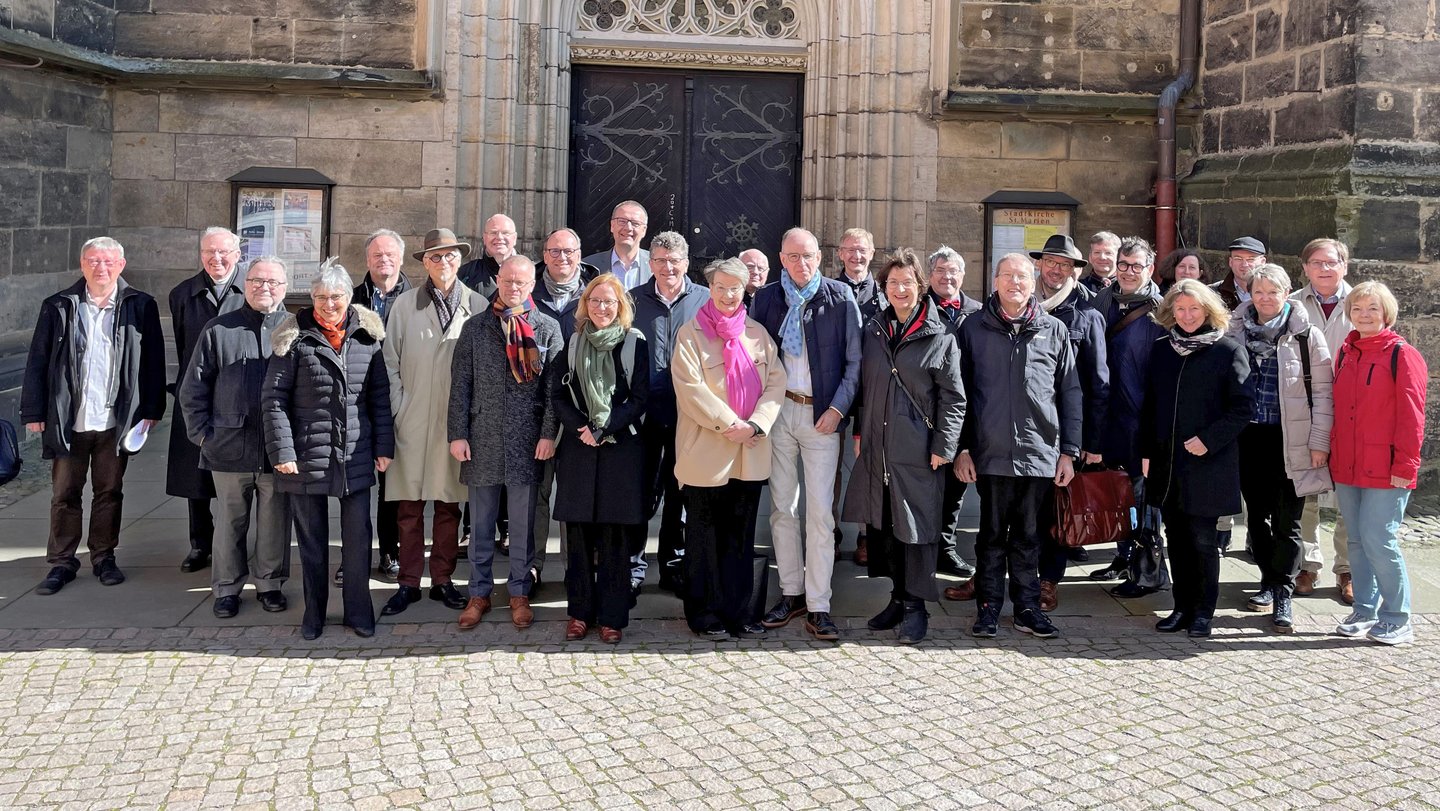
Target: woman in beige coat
(728,385)
(1285,449)
(423,328)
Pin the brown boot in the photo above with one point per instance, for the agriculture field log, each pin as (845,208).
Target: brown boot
(475,608)
(862,555)
(520,612)
(1347,589)
(964,591)
(1305,583)
(1049,597)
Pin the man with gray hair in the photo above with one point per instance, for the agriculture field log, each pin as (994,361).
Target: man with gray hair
(94,385)
(757,266)
(1104,248)
(216,289)
(219,397)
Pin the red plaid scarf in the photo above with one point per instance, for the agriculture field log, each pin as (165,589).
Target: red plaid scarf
(520,347)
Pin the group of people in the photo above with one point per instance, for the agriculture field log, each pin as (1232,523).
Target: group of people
(601,391)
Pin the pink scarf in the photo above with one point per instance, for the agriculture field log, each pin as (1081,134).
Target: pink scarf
(742,381)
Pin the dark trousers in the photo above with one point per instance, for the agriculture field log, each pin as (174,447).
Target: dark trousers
(1194,560)
(202,524)
(445,541)
(719,553)
(597,571)
(950,534)
(387,522)
(910,566)
(92,454)
(312,531)
(1009,539)
(1272,510)
(1053,557)
(660,477)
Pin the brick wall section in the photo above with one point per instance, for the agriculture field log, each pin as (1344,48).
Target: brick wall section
(85,23)
(54,185)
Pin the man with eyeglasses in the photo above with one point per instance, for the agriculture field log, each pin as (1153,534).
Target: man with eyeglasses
(662,304)
(1325,262)
(1101,262)
(1063,298)
(1246,254)
(219,397)
(757,264)
(216,289)
(626,259)
(816,324)
(383,283)
(857,248)
(499,239)
(94,385)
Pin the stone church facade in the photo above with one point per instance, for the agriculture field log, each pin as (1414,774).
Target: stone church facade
(1307,118)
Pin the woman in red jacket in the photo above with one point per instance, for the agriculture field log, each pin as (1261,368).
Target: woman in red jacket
(1374,458)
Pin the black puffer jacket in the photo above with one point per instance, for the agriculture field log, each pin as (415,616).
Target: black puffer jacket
(219,392)
(328,412)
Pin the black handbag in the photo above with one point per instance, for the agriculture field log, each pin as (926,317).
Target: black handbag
(1148,569)
(9,452)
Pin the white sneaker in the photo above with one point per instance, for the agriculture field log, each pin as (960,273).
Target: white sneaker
(1390,634)
(1354,626)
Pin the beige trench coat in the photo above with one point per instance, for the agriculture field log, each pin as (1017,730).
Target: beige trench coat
(417,356)
(703,457)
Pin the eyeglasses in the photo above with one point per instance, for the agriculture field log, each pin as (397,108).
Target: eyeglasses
(493,234)
(1325,264)
(259,283)
(855,251)
(1056,264)
(625,223)
(437,258)
(102,263)
(900,284)
(561,253)
(218,252)
(809,256)
(334,298)
(669,261)
(603,303)
(1130,267)
(755,266)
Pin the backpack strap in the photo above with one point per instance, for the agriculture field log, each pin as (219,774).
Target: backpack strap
(1130,318)
(627,364)
(1304,340)
(1395,361)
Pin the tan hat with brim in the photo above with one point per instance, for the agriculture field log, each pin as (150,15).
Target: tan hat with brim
(440,239)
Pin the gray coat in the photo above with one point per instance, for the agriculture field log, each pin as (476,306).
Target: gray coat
(895,441)
(501,419)
(1025,398)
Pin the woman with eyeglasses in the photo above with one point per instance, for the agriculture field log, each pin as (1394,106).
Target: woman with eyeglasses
(600,459)
(729,382)
(328,429)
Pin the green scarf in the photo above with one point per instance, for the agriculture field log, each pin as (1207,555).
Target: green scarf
(595,369)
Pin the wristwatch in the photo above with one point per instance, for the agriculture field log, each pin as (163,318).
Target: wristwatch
(758,430)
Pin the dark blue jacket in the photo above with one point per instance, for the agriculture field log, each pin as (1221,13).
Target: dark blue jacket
(546,304)
(831,321)
(1128,355)
(1087,339)
(658,321)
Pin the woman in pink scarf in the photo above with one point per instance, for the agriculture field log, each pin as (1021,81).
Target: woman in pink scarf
(728,385)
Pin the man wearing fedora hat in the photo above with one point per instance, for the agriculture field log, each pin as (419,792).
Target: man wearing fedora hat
(421,333)
(1246,254)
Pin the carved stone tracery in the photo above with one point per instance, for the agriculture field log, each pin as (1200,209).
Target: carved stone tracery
(758,19)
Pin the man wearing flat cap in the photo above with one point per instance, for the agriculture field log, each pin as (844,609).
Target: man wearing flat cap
(1246,254)
(420,339)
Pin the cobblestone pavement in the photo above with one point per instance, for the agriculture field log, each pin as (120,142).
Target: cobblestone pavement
(1111,714)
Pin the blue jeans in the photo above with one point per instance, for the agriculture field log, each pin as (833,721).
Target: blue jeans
(1377,569)
(484,511)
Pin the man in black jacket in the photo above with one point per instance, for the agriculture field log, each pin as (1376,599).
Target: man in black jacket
(1021,436)
(499,238)
(217,288)
(94,385)
(219,396)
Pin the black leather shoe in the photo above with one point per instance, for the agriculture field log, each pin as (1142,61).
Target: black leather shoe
(1130,589)
(195,561)
(402,599)
(752,631)
(987,622)
(226,607)
(888,617)
(1079,554)
(1116,570)
(109,573)
(1177,621)
(820,626)
(449,595)
(951,563)
(273,601)
(310,633)
(1200,627)
(389,569)
(363,633)
(787,608)
(1283,620)
(55,581)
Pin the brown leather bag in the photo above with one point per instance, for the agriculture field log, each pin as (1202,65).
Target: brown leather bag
(1095,508)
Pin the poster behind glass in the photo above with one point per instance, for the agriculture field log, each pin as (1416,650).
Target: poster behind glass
(285,223)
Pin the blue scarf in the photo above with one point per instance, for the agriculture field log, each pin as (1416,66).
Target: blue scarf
(791,334)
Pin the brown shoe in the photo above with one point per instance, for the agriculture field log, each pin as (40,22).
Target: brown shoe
(964,591)
(520,612)
(1305,583)
(1347,589)
(475,608)
(862,555)
(1049,598)
(576,630)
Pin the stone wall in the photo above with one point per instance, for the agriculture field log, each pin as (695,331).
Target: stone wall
(54,185)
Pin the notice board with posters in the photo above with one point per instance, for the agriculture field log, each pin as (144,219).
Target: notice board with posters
(284,213)
(1021,221)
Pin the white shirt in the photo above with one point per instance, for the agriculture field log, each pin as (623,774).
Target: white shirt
(93,412)
(797,369)
(670,302)
(629,275)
